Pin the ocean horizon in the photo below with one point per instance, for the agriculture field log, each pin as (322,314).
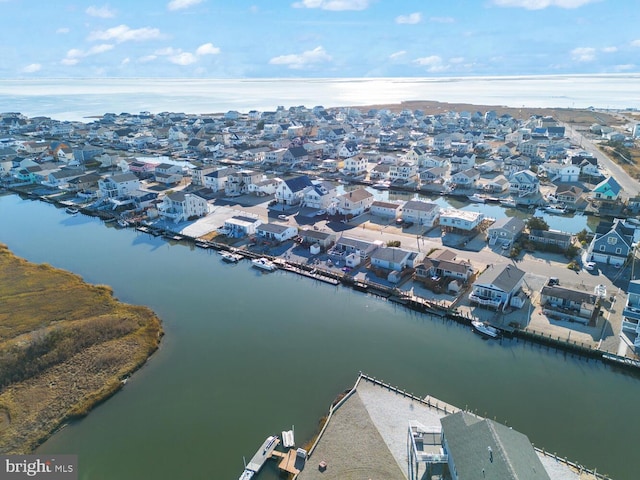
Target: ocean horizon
(77,99)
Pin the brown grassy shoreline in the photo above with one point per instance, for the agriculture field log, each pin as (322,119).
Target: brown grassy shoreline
(65,347)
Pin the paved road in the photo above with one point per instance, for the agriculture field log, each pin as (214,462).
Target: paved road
(628,184)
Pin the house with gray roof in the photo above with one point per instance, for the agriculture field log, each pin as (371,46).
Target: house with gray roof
(506,229)
(421,213)
(560,239)
(631,312)
(276,231)
(497,285)
(607,190)
(611,244)
(568,304)
(180,206)
(392,258)
(480,448)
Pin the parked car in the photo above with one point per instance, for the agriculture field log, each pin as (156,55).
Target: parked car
(589,265)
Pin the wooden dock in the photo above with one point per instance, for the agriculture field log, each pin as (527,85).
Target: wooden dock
(287,461)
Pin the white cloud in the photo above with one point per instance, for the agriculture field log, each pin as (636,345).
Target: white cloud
(75,54)
(167,51)
(302,60)
(100,12)
(540,4)
(125,61)
(635,43)
(432,62)
(122,33)
(335,5)
(583,54)
(624,67)
(399,54)
(456,60)
(184,58)
(182,4)
(63,30)
(410,19)
(34,67)
(609,49)
(442,19)
(207,49)
(148,58)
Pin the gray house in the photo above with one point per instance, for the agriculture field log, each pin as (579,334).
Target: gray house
(612,243)
(551,237)
(497,285)
(506,229)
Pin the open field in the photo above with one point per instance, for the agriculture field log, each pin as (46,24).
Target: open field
(64,347)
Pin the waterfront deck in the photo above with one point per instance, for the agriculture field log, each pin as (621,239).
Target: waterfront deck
(263,454)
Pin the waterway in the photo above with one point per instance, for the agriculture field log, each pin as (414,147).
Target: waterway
(248,354)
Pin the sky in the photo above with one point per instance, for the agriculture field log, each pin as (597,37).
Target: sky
(317,38)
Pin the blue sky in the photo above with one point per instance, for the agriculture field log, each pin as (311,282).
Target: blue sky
(317,38)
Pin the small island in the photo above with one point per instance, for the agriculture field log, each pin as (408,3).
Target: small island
(65,346)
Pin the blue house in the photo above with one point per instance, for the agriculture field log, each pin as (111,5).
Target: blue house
(608,189)
(611,244)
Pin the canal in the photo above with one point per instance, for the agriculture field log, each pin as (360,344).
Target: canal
(248,354)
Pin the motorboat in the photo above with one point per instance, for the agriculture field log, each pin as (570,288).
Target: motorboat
(71,210)
(558,210)
(264,264)
(475,198)
(230,257)
(485,329)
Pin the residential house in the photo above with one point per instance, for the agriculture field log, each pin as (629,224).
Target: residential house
(433,174)
(119,185)
(319,195)
(607,190)
(276,232)
(562,240)
(443,264)
(180,206)
(612,243)
(291,191)
(354,203)
(355,166)
(416,155)
(380,172)
(403,172)
(478,448)
(85,182)
(168,174)
(442,142)
(315,237)
(568,194)
(216,180)
(59,177)
(530,148)
(241,226)
(294,156)
(451,218)
(420,212)
(239,182)
(568,304)
(505,230)
(345,246)
(393,258)
(560,172)
(512,165)
(264,187)
(466,178)
(489,166)
(385,209)
(498,184)
(497,285)
(348,150)
(434,161)
(631,312)
(275,156)
(461,162)
(524,183)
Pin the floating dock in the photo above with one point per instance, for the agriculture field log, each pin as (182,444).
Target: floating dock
(261,456)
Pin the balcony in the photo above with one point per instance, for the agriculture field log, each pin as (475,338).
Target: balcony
(632,312)
(630,327)
(493,302)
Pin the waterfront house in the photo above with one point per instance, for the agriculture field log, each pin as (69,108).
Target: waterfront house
(403,172)
(607,190)
(631,312)
(276,231)
(216,180)
(354,203)
(451,218)
(347,245)
(239,182)
(355,166)
(612,243)
(421,213)
(497,285)
(443,264)
(380,172)
(568,194)
(433,174)
(316,237)
(498,184)
(119,185)
(320,195)
(386,210)
(524,183)
(505,230)
(393,258)
(168,174)
(461,162)
(241,226)
(560,172)
(561,240)
(513,165)
(466,178)
(180,206)
(567,304)
(479,448)
(291,191)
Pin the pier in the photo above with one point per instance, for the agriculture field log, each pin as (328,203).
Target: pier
(262,455)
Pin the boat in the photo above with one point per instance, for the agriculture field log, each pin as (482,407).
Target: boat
(71,210)
(382,185)
(508,203)
(555,210)
(230,257)
(264,264)
(123,223)
(287,439)
(485,329)
(477,198)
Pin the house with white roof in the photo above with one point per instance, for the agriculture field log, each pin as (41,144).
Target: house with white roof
(241,226)
(168,173)
(451,218)
(466,178)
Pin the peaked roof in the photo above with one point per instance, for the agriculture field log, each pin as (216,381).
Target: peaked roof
(482,448)
(608,185)
(504,277)
(298,183)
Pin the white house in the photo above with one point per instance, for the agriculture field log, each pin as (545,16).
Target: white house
(385,209)
(497,285)
(560,172)
(355,166)
(217,179)
(631,312)
(524,183)
(460,162)
(291,191)
(239,182)
(320,195)
(120,185)
(403,171)
(180,206)
(168,173)
(355,203)
(466,178)
(421,213)
(276,231)
(241,226)
(392,258)
(460,219)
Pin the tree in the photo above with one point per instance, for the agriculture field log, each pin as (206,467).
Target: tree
(260,126)
(537,223)
(582,235)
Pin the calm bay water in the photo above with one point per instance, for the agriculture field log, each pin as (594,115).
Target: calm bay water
(75,99)
(248,354)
